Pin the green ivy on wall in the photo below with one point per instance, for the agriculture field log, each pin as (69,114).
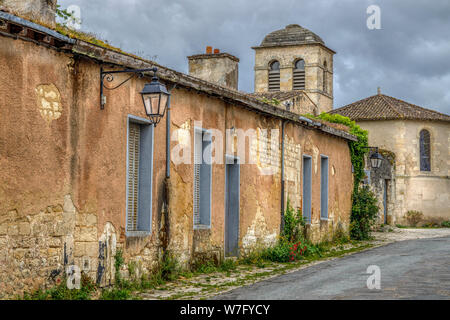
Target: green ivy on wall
(357,148)
(364,209)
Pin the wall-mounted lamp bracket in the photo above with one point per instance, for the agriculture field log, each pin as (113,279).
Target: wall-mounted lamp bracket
(109,77)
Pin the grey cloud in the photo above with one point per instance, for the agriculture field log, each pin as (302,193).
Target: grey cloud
(408,58)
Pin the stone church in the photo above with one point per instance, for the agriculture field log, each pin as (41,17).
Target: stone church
(419,139)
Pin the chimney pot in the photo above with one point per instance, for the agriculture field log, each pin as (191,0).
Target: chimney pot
(221,69)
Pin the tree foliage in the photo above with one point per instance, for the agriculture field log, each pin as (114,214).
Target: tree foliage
(364,213)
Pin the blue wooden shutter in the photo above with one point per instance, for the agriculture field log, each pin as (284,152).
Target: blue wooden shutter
(133,176)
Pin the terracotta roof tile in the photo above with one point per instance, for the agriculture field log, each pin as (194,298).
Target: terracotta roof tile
(382,107)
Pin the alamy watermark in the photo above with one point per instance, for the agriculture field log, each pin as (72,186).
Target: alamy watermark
(374,19)
(259,146)
(374,280)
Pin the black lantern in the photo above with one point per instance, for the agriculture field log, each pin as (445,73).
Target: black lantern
(155,97)
(376,159)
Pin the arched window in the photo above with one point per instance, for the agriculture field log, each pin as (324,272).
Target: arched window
(324,76)
(299,75)
(425,163)
(274,76)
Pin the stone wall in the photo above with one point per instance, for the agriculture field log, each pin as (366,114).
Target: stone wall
(428,192)
(41,245)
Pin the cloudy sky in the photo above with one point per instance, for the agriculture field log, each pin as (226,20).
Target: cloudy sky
(409,57)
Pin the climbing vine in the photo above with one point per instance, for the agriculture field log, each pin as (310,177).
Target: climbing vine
(364,209)
(357,148)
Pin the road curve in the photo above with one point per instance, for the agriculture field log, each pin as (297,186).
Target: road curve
(413,269)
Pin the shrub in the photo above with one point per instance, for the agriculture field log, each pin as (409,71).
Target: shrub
(278,253)
(364,213)
(294,224)
(115,294)
(169,269)
(208,266)
(414,217)
(227,265)
(339,235)
(250,257)
(118,263)
(296,251)
(61,292)
(445,224)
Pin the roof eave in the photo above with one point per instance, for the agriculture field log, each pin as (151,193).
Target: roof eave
(294,45)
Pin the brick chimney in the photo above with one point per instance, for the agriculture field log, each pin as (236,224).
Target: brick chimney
(219,68)
(42,11)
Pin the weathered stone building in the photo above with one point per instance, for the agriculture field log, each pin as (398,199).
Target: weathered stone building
(70,191)
(419,139)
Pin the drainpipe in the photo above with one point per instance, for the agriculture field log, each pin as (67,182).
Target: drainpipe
(165,225)
(283,124)
(168,138)
(168,134)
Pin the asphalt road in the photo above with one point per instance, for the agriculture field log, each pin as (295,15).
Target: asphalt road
(413,269)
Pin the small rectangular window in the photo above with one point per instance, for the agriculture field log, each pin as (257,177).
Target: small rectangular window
(139,177)
(307,188)
(324,187)
(202,178)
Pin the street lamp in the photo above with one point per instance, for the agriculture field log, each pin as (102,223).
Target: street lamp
(154,94)
(155,97)
(375,158)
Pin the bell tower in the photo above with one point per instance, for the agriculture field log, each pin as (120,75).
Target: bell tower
(295,59)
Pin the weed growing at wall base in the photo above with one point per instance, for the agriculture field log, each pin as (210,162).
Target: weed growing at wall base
(60,292)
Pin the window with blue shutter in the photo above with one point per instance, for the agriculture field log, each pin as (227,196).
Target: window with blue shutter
(307,188)
(202,178)
(324,187)
(139,176)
